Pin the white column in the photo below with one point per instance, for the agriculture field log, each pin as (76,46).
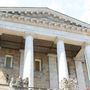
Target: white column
(53,71)
(0,41)
(62,62)
(80,75)
(28,61)
(87,58)
(21,63)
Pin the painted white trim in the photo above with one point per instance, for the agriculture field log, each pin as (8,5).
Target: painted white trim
(39,60)
(6,59)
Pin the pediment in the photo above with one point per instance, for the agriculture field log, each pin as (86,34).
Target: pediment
(43,17)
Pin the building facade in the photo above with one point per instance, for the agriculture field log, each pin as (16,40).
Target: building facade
(44,45)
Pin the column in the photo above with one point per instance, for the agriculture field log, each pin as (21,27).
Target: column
(28,70)
(87,58)
(0,40)
(53,71)
(80,75)
(21,63)
(62,62)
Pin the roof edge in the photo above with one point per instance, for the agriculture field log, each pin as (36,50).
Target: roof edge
(57,13)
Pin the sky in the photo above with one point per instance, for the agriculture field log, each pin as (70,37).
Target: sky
(79,9)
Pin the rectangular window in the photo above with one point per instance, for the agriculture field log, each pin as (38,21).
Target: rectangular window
(8,61)
(37,65)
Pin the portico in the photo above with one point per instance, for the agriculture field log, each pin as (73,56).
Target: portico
(59,43)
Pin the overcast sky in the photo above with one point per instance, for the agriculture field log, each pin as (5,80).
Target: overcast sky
(79,9)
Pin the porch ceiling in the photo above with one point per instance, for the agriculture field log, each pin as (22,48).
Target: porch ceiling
(40,46)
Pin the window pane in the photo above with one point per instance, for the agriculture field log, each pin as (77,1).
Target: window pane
(37,65)
(8,62)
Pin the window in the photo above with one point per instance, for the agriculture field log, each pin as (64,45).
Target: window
(37,65)
(8,61)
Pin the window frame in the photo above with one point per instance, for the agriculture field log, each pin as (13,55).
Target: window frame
(10,56)
(38,60)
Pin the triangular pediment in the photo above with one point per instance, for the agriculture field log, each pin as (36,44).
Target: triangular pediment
(43,17)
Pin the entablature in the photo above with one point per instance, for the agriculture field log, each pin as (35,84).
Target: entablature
(42,33)
(44,17)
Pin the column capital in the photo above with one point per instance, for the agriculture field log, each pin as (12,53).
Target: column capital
(86,43)
(26,34)
(58,39)
(52,55)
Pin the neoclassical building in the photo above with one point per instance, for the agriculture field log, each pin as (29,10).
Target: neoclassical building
(44,45)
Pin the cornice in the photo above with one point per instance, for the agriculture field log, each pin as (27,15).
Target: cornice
(86,43)
(25,18)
